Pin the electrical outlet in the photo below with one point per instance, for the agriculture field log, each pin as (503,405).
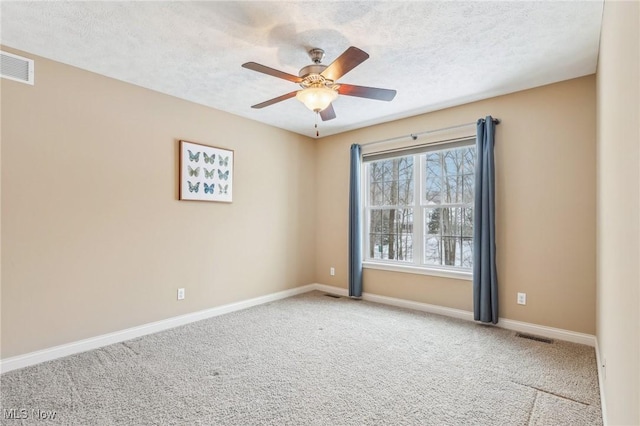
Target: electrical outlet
(332,271)
(180,293)
(522,298)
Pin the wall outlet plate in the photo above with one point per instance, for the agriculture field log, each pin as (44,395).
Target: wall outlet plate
(181,294)
(522,298)
(332,271)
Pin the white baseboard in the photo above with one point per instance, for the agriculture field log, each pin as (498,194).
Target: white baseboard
(418,306)
(550,332)
(523,327)
(60,351)
(67,349)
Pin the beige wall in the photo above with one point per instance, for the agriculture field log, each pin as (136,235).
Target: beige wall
(618,281)
(545,178)
(94,239)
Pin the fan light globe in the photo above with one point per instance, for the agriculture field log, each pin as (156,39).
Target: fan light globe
(317,98)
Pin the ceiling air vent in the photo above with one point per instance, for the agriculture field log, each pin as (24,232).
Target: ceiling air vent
(16,68)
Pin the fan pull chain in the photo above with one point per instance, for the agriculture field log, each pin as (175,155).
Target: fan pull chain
(317,131)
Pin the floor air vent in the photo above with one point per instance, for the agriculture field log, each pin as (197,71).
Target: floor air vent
(16,68)
(332,295)
(536,338)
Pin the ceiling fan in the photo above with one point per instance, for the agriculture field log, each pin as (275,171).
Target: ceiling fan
(318,82)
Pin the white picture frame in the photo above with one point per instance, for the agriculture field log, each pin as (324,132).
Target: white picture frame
(206,173)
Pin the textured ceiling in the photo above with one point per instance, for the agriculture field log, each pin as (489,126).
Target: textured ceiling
(435,54)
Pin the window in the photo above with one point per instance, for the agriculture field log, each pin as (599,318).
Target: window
(419,208)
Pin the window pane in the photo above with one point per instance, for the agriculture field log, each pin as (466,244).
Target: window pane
(452,190)
(385,167)
(448,236)
(389,193)
(452,162)
(468,173)
(449,176)
(405,192)
(451,221)
(432,221)
(451,231)
(433,178)
(391,237)
(375,224)
(432,250)
(375,171)
(405,168)
(450,250)
(374,245)
(432,246)
(467,222)
(375,194)
(467,252)
(469,160)
(385,220)
(391,182)
(468,182)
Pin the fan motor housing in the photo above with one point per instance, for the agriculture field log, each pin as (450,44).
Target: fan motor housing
(311,69)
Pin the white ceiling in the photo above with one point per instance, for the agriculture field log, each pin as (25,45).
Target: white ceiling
(435,54)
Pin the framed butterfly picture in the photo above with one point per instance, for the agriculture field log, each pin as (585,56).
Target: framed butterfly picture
(206,172)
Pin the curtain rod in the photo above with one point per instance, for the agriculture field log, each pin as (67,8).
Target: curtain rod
(414,136)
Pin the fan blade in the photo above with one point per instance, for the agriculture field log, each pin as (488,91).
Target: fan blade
(328,113)
(367,92)
(351,58)
(275,100)
(270,71)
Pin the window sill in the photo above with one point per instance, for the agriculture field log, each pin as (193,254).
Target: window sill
(410,269)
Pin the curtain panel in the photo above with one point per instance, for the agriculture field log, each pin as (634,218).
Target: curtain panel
(485,277)
(355,224)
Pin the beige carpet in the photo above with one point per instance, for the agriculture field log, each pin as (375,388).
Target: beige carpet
(316,360)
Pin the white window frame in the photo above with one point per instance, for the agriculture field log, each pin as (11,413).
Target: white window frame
(419,208)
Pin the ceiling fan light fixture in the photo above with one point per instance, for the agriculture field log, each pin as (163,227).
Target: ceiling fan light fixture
(317,98)
(319,83)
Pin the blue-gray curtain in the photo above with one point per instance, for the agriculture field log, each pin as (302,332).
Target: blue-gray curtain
(485,277)
(355,226)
